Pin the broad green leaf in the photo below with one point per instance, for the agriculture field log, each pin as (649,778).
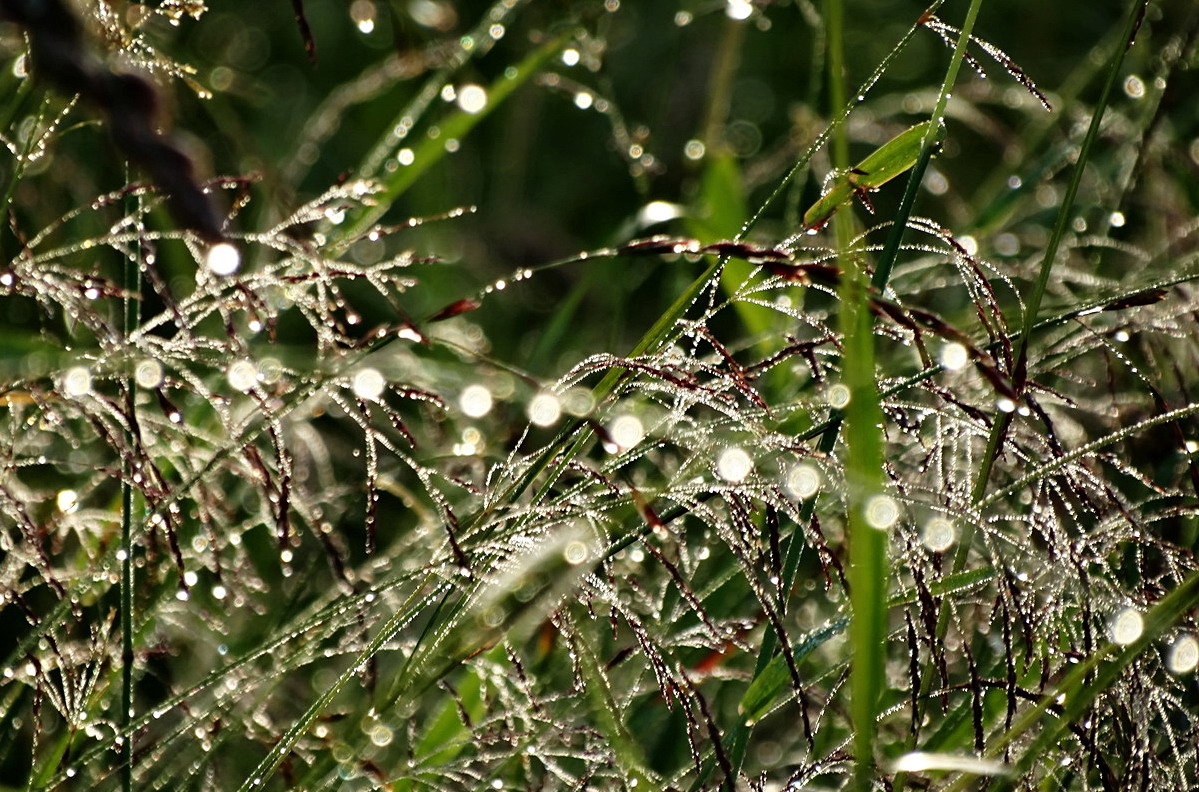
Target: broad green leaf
(881,166)
(719,214)
(770,684)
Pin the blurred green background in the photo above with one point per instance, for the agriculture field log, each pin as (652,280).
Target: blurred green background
(550,178)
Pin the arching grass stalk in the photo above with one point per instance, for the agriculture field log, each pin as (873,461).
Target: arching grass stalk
(868,570)
(572,439)
(1082,686)
(132,278)
(1033,304)
(1064,215)
(1030,321)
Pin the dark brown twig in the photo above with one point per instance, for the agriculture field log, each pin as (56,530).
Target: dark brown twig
(60,57)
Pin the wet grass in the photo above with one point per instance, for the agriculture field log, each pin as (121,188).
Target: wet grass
(569,429)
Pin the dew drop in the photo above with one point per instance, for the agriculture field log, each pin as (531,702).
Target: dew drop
(954,356)
(222,259)
(939,534)
(584,99)
(626,432)
(242,375)
(1184,655)
(575,553)
(1007,244)
(734,464)
(77,382)
(694,150)
(1116,220)
(1134,87)
(472,98)
(803,481)
(570,56)
(1005,405)
(1126,627)
(545,409)
(148,374)
(838,396)
(882,512)
(67,501)
(578,401)
(363,14)
(739,9)
(658,212)
(475,401)
(368,384)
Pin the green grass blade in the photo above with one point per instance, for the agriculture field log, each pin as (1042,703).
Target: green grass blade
(430,151)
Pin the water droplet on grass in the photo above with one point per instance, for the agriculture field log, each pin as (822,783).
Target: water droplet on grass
(77,382)
(242,375)
(837,396)
(938,535)
(954,357)
(1126,627)
(1184,655)
(545,409)
(222,259)
(475,401)
(882,512)
(1134,87)
(658,212)
(803,481)
(625,432)
(576,553)
(67,501)
(472,98)
(921,762)
(148,374)
(368,384)
(734,464)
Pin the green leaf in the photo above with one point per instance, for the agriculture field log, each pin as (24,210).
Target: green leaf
(881,166)
(770,684)
(719,214)
(460,123)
